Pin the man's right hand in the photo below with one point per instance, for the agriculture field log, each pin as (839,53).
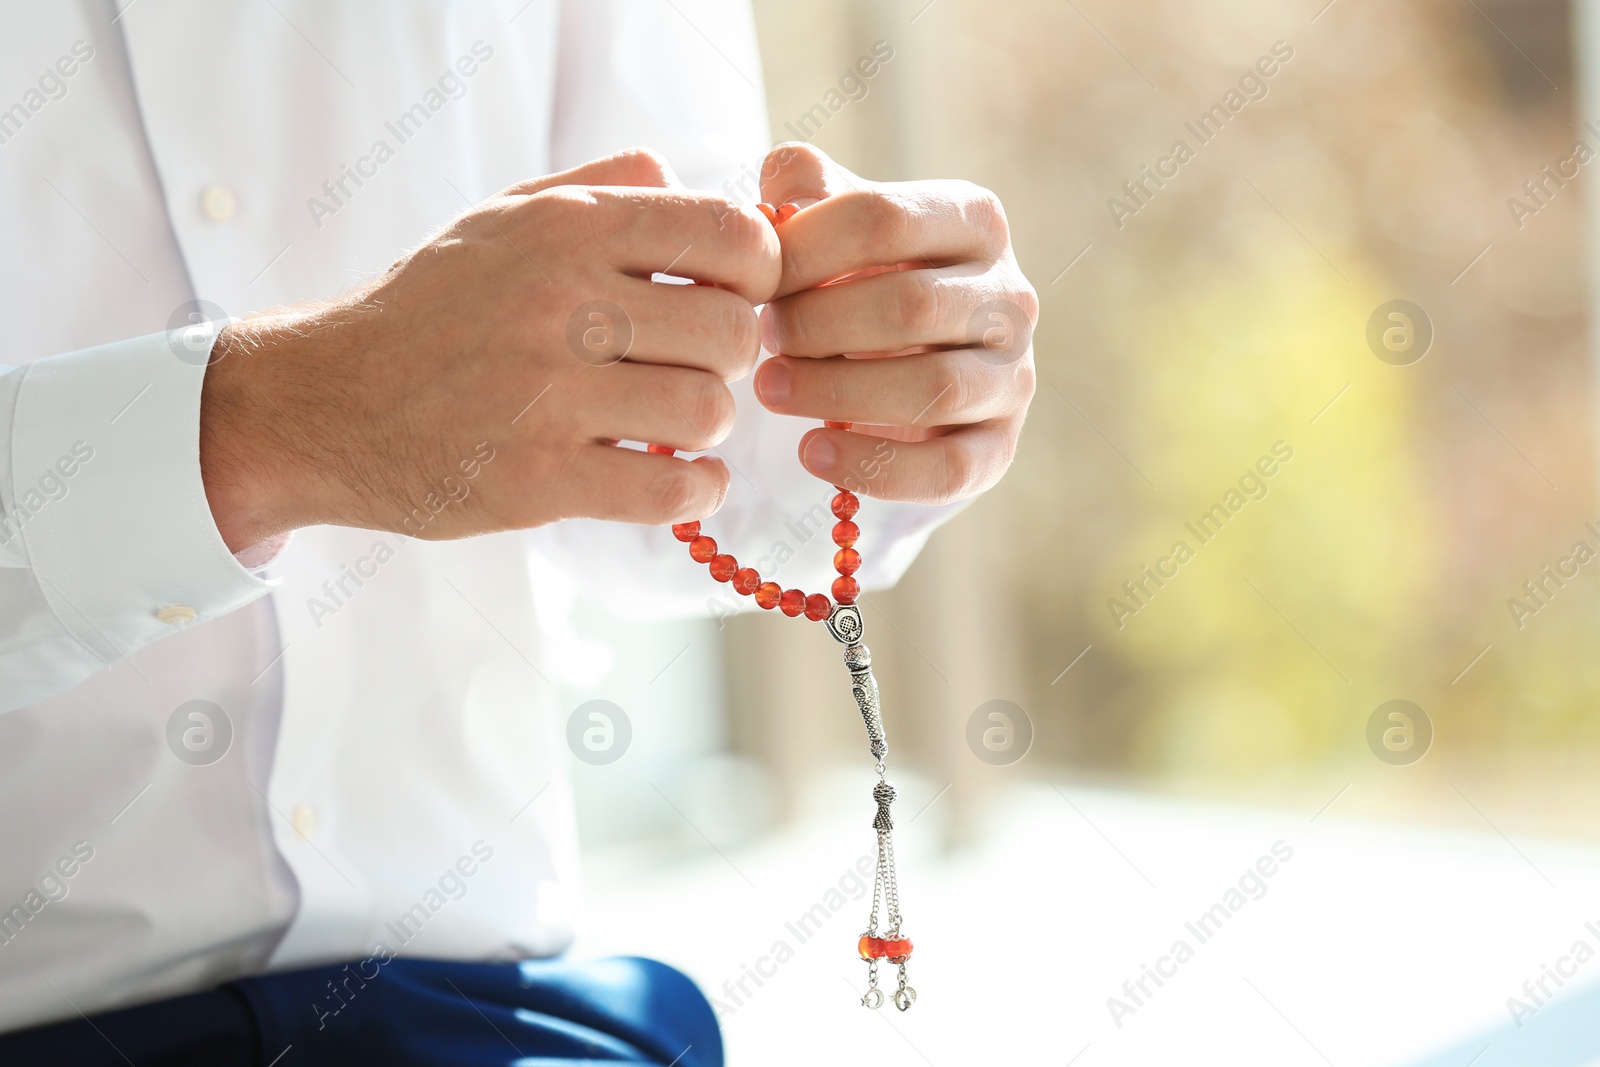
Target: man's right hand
(353,412)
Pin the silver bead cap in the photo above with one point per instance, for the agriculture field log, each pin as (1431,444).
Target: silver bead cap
(845,624)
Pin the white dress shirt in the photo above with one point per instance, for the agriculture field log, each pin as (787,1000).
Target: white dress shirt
(384,768)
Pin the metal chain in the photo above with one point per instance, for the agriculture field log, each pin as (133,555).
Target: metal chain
(845,626)
(891,889)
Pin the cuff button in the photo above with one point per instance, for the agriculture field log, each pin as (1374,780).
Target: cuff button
(176,615)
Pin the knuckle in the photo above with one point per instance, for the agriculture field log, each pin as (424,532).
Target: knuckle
(957,469)
(645,166)
(670,493)
(1028,301)
(569,210)
(790,326)
(1027,382)
(736,337)
(745,340)
(746,231)
(710,408)
(949,394)
(918,304)
(981,209)
(802,151)
(890,216)
(794,154)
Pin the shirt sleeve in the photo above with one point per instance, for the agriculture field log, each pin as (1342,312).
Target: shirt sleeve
(106,538)
(684,78)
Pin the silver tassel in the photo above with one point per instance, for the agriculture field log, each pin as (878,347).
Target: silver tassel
(846,627)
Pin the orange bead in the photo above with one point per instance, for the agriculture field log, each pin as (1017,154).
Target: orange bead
(864,946)
(793,602)
(846,589)
(847,561)
(768,594)
(686,531)
(769,211)
(703,549)
(830,424)
(723,568)
(846,533)
(660,450)
(787,212)
(898,950)
(845,505)
(818,607)
(745,581)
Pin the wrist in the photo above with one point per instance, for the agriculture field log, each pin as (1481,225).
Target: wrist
(249,483)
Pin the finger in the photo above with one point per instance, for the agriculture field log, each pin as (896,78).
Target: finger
(883,313)
(796,171)
(690,235)
(938,223)
(688,410)
(686,326)
(622,485)
(948,388)
(939,470)
(633,166)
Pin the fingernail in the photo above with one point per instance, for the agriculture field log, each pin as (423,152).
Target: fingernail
(769,330)
(819,455)
(773,383)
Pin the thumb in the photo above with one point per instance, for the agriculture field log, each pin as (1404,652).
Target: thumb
(801,174)
(641,167)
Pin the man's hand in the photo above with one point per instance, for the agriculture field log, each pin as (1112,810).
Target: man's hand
(356,413)
(918,271)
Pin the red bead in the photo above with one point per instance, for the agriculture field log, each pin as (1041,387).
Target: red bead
(793,602)
(768,594)
(723,567)
(769,211)
(846,533)
(845,505)
(847,561)
(787,212)
(745,581)
(877,948)
(686,531)
(703,549)
(846,589)
(660,450)
(818,607)
(837,425)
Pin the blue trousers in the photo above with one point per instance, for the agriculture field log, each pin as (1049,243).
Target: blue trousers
(404,1013)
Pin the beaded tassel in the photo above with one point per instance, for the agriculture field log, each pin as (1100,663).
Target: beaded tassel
(843,620)
(846,626)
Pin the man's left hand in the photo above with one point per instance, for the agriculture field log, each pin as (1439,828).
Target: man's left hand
(902,310)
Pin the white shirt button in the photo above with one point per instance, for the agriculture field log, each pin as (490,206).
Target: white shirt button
(176,615)
(218,202)
(304,820)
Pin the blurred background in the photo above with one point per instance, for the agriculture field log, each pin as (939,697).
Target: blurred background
(1417,539)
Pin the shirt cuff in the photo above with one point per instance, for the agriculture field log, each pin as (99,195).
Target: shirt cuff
(106,467)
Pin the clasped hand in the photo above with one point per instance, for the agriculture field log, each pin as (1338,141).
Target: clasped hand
(532,324)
